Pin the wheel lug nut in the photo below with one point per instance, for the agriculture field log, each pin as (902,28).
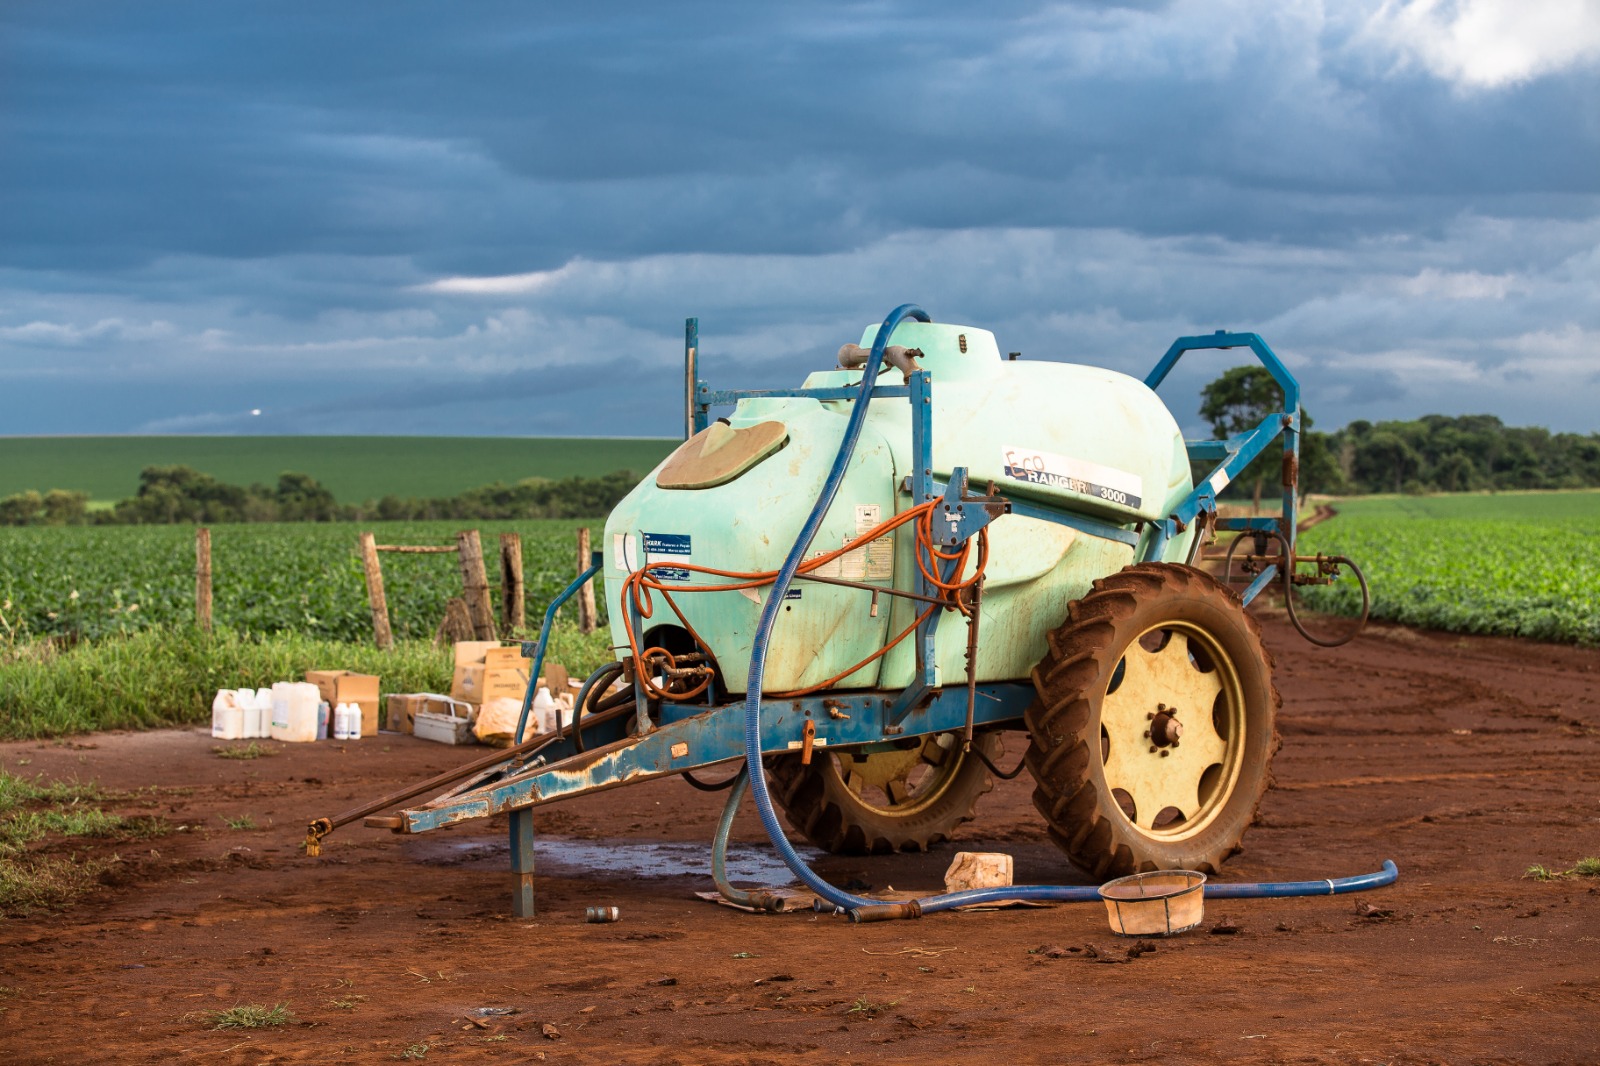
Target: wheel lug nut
(1165,752)
(1153,748)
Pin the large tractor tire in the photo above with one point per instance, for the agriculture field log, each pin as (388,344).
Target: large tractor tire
(1153,724)
(888,801)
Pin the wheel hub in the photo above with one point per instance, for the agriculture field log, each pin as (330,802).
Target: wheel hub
(1165,729)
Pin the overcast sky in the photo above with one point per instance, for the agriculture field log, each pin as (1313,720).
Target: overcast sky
(492,218)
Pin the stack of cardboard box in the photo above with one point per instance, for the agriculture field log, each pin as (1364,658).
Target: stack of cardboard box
(485,671)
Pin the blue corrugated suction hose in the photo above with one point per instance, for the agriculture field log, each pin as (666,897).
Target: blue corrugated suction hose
(861,908)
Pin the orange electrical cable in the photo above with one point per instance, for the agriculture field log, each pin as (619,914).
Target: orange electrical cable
(638,585)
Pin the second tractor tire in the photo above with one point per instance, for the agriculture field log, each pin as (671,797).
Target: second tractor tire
(934,799)
(1166,649)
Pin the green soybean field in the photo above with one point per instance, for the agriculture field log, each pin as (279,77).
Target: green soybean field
(89,582)
(1512,564)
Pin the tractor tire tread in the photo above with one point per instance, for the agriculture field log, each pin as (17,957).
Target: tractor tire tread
(1082,653)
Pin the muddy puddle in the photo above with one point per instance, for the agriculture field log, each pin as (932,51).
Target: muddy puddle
(613,859)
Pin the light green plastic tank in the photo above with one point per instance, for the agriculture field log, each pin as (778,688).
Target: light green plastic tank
(1083,438)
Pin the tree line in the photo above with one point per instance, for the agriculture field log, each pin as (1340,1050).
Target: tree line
(179,494)
(1434,453)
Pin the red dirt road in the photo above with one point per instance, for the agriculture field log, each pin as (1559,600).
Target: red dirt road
(1464,760)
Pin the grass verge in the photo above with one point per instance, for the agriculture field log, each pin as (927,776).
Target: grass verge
(167,676)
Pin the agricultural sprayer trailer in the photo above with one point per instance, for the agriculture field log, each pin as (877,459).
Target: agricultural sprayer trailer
(855,590)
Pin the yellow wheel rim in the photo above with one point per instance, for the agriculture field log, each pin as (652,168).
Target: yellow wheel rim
(901,783)
(1172,730)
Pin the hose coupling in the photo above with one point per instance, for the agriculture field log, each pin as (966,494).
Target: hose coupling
(883,912)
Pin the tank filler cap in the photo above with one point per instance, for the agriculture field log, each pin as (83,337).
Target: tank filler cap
(719,453)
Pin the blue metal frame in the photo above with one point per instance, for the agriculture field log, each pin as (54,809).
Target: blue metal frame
(597,561)
(686,737)
(1236,453)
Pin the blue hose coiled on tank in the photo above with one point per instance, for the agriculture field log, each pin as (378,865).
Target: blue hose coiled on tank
(861,908)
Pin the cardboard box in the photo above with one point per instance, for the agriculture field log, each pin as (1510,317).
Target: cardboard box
(504,658)
(473,651)
(346,686)
(476,683)
(402,708)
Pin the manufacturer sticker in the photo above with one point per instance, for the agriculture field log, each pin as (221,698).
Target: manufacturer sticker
(1073,475)
(668,548)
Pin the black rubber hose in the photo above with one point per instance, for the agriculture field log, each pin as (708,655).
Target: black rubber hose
(1366,607)
(995,770)
(590,685)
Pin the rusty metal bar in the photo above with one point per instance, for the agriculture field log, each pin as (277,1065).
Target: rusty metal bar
(416,549)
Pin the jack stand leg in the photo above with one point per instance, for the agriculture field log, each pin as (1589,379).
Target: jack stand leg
(522,863)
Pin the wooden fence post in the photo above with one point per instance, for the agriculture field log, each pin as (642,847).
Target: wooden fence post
(381,633)
(586,611)
(475,583)
(512,604)
(202,579)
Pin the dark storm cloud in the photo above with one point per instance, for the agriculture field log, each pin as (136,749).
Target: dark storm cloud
(262,197)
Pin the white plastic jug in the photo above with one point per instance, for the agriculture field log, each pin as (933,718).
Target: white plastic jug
(544,711)
(245,700)
(346,722)
(227,718)
(263,705)
(294,711)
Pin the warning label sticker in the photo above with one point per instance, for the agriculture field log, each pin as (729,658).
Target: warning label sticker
(870,562)
(1072,475)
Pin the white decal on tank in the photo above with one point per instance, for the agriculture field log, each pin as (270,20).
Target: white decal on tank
(1219,481)
(1034,467)
(625,550)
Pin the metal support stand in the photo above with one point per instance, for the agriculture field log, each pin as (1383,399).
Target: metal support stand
(522,863)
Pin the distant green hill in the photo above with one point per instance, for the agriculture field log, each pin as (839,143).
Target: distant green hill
(353,468)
